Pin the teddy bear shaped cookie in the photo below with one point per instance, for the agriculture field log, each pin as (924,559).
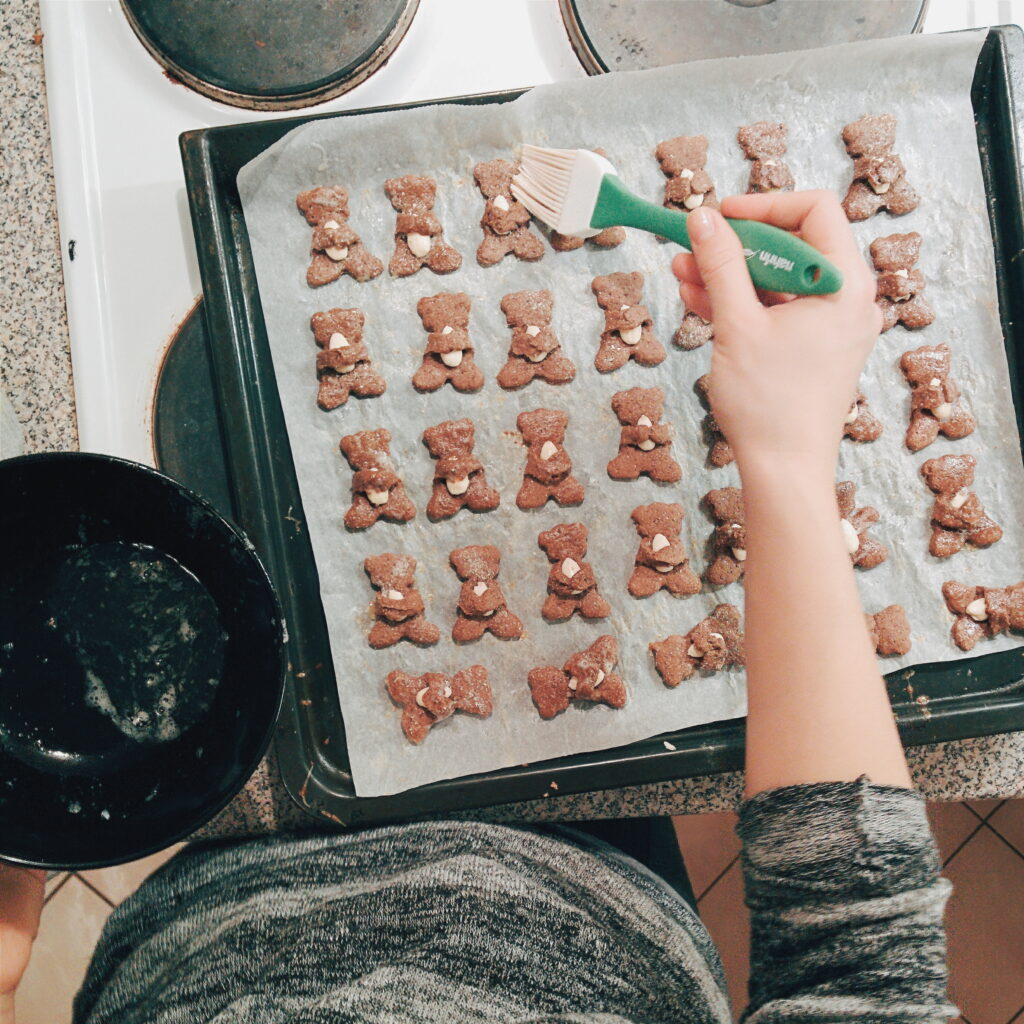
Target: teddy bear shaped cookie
(459,477)
(645,443)
(572,585)
(419,237)
(720,452)
(661,561)
(729,539)
(609,238)
(682,161)
(398,608)
(714,643)
(628,332)
(548,471)
(900,285)
(889,631)
(879,177)
(482,608)
(432,697)
(958,517)
(535,350)
(448,358)
(865,551)
(861,424)
(586,676)
(377,490)
(935,405)
(764,144)
(343,365)
(693,332)
(336,249)
(983,611)
(505,221)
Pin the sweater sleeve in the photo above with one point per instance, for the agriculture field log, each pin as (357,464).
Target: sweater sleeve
(842,881)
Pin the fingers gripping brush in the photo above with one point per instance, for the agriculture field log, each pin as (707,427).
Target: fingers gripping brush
(576,192)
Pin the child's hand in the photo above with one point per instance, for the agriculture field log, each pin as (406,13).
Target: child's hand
(784,374)
(21,903)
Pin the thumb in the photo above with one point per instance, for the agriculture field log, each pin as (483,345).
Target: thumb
(723,268)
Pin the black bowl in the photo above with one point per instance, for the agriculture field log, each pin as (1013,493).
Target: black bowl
(142,657)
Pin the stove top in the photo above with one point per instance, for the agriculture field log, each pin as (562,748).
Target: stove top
(125,79)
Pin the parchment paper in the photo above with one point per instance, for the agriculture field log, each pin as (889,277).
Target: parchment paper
(924,80)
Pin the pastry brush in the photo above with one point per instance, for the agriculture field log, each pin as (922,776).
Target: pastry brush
(576,192)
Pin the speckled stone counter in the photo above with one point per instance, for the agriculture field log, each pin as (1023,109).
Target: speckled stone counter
(36,376)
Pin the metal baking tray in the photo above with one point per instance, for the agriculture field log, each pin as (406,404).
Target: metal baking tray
(970,697)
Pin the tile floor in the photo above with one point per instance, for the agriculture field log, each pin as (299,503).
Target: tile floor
(982,848)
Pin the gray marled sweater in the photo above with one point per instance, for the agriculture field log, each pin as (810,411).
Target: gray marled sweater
(461,922)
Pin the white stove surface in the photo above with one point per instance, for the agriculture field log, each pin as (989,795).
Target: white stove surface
(115,120)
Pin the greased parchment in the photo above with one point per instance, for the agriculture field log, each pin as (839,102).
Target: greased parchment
(924,80)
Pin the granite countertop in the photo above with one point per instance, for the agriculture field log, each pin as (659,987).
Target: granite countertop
(36,377)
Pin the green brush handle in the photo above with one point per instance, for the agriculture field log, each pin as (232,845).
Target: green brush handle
(777,260)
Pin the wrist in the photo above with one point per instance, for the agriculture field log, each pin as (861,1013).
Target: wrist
(784,470)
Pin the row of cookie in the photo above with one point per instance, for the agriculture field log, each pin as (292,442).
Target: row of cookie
(714,643)
(879,182)
(661,563)
(344,366)
(460,480)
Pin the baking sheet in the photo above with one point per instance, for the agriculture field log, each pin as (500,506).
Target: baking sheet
(924,80)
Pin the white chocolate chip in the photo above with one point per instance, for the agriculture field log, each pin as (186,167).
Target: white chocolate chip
(570,567)
(659,542)
(664,567)
(572,683)
(338,340)
(934,382)
(901,272)
(419,696)
(717,636)
(447,329)
(337,252)
(537,358)
(458,486)
(376,497)
(644,421)
(740,554)
(532,331)
(598,679)
(879,189)
(447,690)
(959,499)
(419,245)
(501,203)
(394,595)
(622,309)
(851,416)
(767,163)
(977,610)
(452,359)
(850,536)
(943,411)
(331,225)
(646,446)
(479,588)
(487,615)
(346,368)
(631,336)
(547,450)
(692,201)
(686,173)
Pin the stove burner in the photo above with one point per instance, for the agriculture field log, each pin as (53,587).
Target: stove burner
(628,36)
(268,55)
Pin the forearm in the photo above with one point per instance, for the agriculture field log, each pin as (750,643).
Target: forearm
(7,1008)
(818,709)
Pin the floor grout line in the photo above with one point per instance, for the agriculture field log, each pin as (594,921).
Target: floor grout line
(1006,842)
(977,829)
(714,881)
(89,885)
(57,888)
(985,817)
(1018,1016)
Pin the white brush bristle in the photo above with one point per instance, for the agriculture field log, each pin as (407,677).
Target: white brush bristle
(560,187)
